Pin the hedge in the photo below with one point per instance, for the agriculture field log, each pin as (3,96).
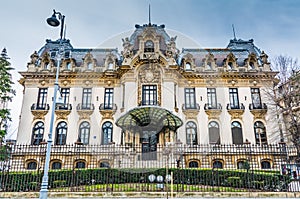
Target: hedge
(30,181)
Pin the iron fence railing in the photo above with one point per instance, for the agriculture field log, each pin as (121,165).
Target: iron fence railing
(118,168)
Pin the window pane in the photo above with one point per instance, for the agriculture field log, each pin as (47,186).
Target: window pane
(149,95)
(42,98)
(234,99)
(211,98)
(190,101)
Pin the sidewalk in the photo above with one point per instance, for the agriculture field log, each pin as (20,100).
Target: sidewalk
(231,195)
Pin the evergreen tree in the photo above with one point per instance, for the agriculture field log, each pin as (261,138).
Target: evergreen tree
(6,93)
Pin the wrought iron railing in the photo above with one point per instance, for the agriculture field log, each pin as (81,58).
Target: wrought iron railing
(218,106)
(35,107)
(258,107)
(120,168)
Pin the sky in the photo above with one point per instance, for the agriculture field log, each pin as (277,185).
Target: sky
(273,24)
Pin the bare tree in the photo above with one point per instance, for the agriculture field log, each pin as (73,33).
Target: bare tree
(286,97)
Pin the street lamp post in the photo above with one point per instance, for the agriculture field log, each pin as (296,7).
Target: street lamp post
(52,21)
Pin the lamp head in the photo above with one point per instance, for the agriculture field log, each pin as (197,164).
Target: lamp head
(53,21)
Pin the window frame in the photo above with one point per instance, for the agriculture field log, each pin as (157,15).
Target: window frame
(190,98)
(61,133)
(84,132)
(108,98)
(42,98)
(191,133)
(107,133)
(234,98)
(86,98)
(149,94)
(37,129)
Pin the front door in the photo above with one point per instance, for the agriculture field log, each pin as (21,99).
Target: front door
(149,145)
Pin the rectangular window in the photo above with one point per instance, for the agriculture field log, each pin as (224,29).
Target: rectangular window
(212,98)
(234,98)
(42,98)
(108,98)
(190,98)
(255,95)
(86,98)
(149,95)
(65,94)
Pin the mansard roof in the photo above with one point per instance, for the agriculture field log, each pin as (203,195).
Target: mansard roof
(241,49)
(78,54)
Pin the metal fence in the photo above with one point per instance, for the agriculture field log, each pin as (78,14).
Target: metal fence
(175,167)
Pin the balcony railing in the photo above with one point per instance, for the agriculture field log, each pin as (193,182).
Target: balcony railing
(82,106)
(218,106)
(258,107)
(195,106)
(67,107)
(43,107)
(235,106)
(104,107)
(149,103)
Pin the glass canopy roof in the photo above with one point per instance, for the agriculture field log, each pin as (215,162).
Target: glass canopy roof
(149,117)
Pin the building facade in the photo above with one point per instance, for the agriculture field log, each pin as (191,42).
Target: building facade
(150,94)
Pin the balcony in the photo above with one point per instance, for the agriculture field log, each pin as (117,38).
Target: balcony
(107,110)
(39,110)
(62,111)
(236,111)
(213,112)
(191,111)
(258,111)
(85,110)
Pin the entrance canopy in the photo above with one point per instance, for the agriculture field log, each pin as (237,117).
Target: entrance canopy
(149,117)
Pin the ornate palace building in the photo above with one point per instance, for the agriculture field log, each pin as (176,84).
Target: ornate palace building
(149,95)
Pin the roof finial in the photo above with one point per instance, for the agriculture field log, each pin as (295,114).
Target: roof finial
(65,32)
(149,15)
(233,32)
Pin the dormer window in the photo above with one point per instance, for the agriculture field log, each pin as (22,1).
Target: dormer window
(188,66)
(209,65)
(47,65)
(110,66)
(251,65)
(149,46)
(68,65)
(90,66)
(67,54)
(230,65)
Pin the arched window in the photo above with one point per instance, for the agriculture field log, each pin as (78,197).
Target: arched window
(56,165)
(218,164)
(107,132)
(191,133)
(237,134)
(37,133)
(90,66)
(32,165)
(193,164)
(252,65)
(230,65)
(214,133)
(110,66)
(47,65)
(84,132)
(149,46)
(243,164)
(80,164)
(188,66)
(265,164)
(61,133)
(68,65)
(104,164)
(260,133)
(209,65)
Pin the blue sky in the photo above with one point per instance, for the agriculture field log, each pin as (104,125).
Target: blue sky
(273,24)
